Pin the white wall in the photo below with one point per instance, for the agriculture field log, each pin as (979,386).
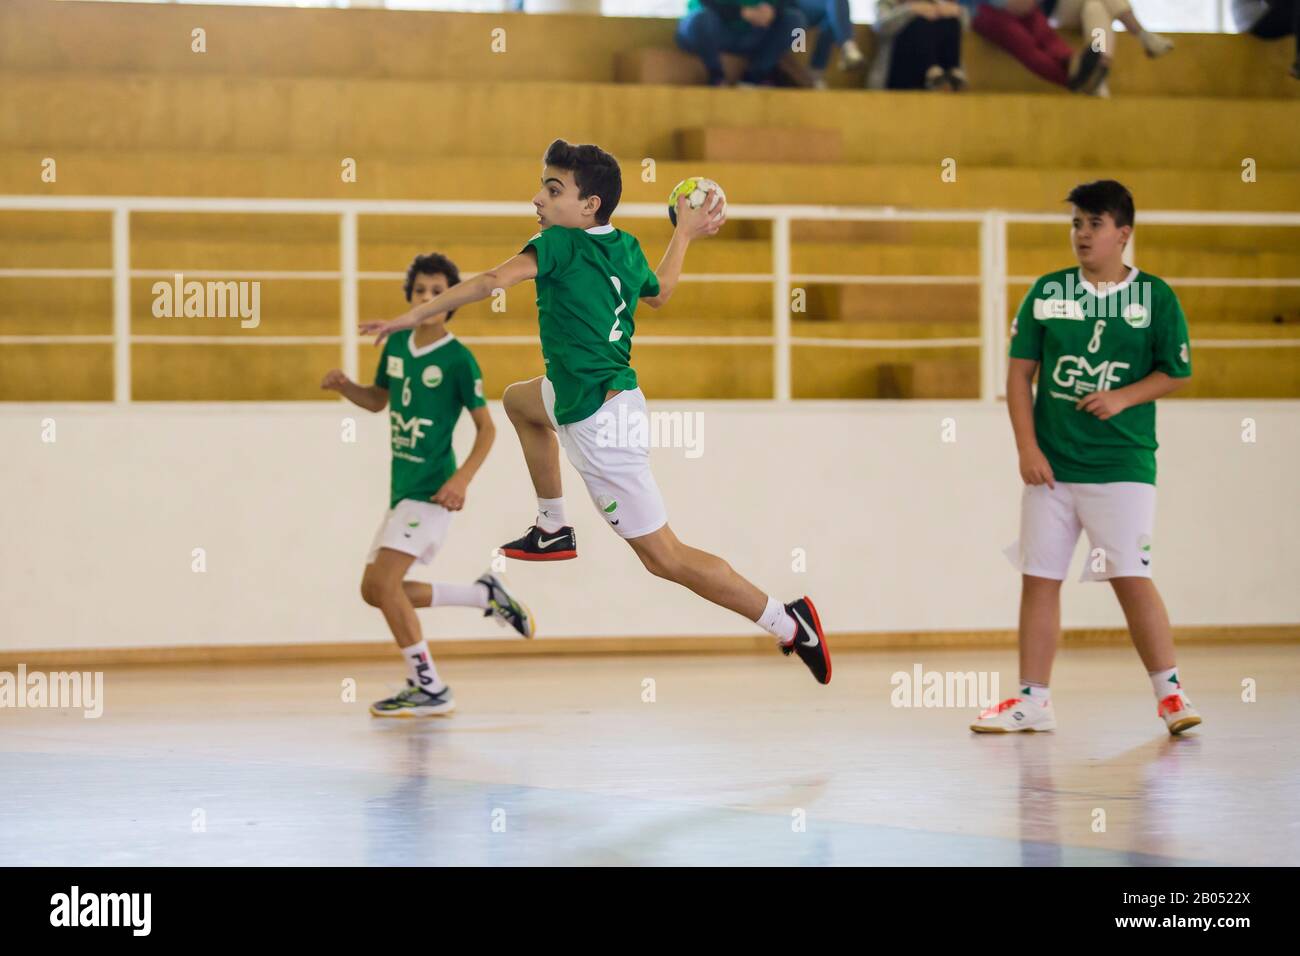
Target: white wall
(902,531)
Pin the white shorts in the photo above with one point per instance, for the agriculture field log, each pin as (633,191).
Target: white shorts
(612,453)
(1118,516)
(413,527)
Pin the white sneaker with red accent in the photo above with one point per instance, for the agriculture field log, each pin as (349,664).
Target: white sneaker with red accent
(1016,714)
(1178,713)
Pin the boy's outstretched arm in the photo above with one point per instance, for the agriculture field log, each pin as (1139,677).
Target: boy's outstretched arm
(514,270)
(691,224)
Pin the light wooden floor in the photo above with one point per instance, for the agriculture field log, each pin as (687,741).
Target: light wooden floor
(572,767)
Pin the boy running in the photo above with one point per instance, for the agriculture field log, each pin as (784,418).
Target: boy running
(590,277)
(427,376)
(1110,340)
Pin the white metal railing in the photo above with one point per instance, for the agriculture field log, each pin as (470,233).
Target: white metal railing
(992,279)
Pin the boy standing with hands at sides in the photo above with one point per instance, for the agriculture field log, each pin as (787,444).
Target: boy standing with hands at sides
(1107,341)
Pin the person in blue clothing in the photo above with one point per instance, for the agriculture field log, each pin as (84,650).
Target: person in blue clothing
(830,18)
(760,30)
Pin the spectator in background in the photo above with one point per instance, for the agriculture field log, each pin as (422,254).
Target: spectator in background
(1090,16)
(1270,20)
(918,46)
(1020,27)
(834,29)
(759,30)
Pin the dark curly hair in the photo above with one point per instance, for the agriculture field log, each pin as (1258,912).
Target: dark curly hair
(432,264)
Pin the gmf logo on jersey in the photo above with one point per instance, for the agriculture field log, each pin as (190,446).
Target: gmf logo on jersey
(478,387)
(1077,373)
(432,376)
(395,366)
(407,431)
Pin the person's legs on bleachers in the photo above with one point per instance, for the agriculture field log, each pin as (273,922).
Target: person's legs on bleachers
(1019,36)
(815,14)
(1098,36)
(1154,44)
(947,51)
(702,33)
(1282,18)
(914,56)
(766,47)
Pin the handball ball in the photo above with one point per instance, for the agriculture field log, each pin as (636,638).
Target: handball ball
(695,190)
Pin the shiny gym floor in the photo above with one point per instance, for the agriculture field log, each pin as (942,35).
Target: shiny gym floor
(738,760)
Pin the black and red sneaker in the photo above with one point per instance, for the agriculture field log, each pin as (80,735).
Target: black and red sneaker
(539,545)
(809,641)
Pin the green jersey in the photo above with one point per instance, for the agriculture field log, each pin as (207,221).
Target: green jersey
(1085,343)
(588,285)
(427,388)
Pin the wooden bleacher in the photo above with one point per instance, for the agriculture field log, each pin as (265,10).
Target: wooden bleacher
(115,95)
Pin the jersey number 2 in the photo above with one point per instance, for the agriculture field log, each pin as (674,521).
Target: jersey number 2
(616,333)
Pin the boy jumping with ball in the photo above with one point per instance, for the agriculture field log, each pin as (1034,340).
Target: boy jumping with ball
(425,378)
(590,277)
(1107,341)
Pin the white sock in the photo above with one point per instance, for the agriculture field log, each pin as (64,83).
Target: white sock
(1040,694)
(1165,683)
(459,595)
(550,514)
(420,668)
(776,620)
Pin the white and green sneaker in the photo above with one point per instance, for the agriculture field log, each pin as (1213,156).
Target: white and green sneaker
(415,702)
(505,607)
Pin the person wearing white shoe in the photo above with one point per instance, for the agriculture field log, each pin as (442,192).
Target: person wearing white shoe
(1031,711)
(830,18)
(1095,19)
(1109,340)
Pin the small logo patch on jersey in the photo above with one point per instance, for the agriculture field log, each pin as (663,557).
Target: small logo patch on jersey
(607,503)
(1058,309)
(478,387)
(432,376)
(1144,549)
(395,366)
(1137,315)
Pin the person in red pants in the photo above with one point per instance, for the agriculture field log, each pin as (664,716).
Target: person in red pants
(1020,27)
